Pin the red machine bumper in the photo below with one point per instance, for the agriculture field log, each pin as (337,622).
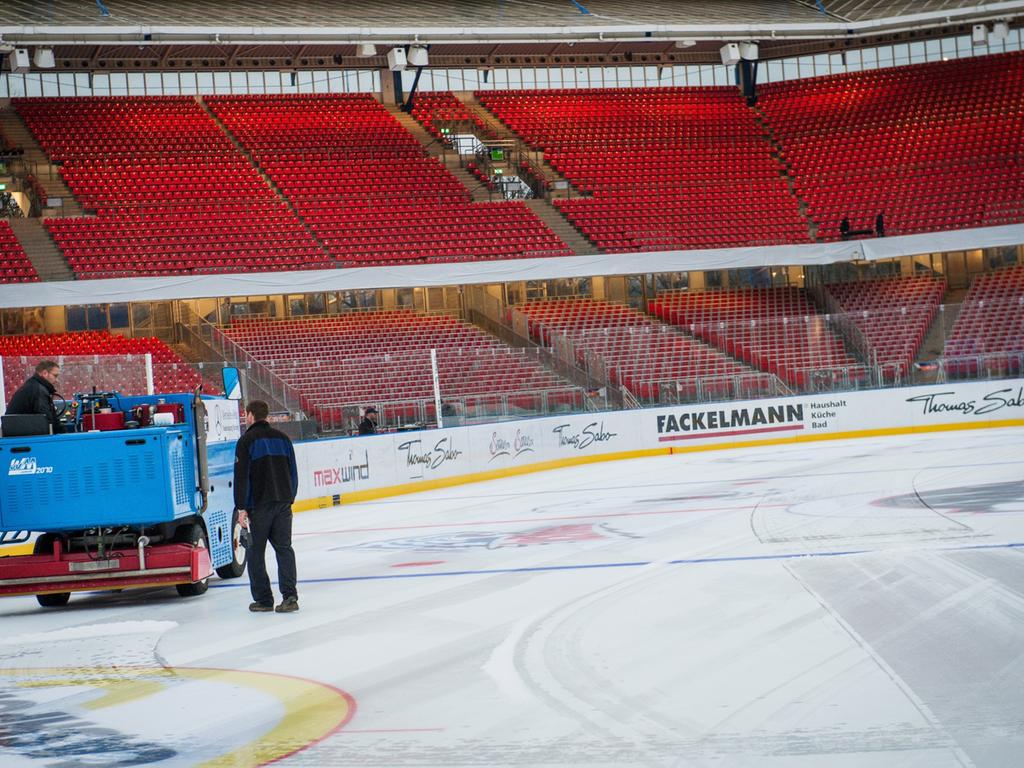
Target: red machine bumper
(164,564)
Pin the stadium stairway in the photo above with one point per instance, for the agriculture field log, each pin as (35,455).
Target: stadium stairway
(263,175)
(562,227)
(787,171)
(546,212)
(48,175)
(40,249)
(502,131)
(434,148)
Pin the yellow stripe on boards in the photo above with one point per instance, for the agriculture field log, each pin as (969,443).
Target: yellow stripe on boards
(372,494)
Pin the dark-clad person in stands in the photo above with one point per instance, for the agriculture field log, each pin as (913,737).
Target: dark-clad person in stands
(368,426)
(36,395)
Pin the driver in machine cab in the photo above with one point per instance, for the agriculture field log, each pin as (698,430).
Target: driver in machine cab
(36,395)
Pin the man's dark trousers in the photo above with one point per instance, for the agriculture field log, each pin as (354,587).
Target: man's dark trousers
(271,522)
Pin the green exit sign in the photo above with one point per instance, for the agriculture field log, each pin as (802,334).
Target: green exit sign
(2,186)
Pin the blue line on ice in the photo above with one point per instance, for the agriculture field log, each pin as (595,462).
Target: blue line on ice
(636,564)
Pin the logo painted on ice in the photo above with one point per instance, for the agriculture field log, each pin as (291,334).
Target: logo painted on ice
(27,466)
(548,534)
(517,447)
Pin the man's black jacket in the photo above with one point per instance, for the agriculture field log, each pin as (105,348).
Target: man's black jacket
(36,396)
(265,469)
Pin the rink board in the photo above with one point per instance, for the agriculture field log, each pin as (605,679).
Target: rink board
(333,472)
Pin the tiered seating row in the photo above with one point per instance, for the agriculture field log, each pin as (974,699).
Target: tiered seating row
(366,188)
(991,322)
(170,372)
(777,330)
(892,314)
(384,356)
(172,193)
(640,352)
(932,146)
(668,168)
(14,264)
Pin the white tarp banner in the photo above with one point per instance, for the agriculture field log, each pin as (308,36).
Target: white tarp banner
(486,272)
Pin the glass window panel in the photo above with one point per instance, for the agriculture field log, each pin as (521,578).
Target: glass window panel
(49,84)
(582,78)
(885,56)
(821,65)
(556,77)
(724,75)
(118,315)
(65,84)
(515,78)
(1013,42)
(334,81)
(541,78)
(869,58)
(204,82)
(806,66)
(170,83)
(902,52)
(272,81)
(255,82)
(101,85)
(188,83)
(568,78)
(651,76)
(118,83)
(790,70)
(304,81)
(500,78)
(835,63)
(221,82)
(933,50)
(948,47)
(5,86)
(774,71)
(82,85)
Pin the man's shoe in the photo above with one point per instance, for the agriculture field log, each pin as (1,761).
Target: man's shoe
(261,607)
(288,605)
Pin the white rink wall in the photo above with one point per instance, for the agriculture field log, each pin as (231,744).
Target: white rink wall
(359,468)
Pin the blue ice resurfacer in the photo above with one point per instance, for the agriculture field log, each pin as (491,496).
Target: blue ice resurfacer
(137,493)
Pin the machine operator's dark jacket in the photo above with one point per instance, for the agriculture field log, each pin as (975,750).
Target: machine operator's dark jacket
(36,396)
(265,469)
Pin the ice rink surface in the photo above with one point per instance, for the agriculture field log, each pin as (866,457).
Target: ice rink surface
(854,603)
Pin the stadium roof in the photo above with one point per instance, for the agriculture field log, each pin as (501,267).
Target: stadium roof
(246,34)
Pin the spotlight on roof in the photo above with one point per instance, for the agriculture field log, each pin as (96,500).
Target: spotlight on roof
(685,43)
(979,34)
(366,49)
(44,58)
(1001,30)
(418,56)
(730,54)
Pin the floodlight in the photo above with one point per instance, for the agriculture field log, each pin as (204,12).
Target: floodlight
(44,58)
(366,49)
(979,34)
(418,56)
(1001,30)
(730,54)
(396,59)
